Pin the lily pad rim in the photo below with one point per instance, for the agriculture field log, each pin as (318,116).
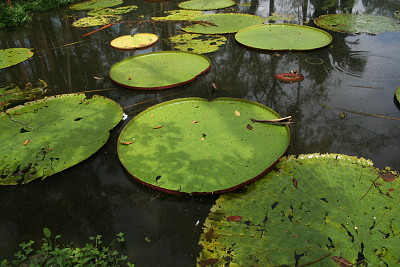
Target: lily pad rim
(167,86)
(179,193)
(286,24)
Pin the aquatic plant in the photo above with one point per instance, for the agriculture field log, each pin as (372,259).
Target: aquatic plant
(135,41)
(197,43)
(13,56)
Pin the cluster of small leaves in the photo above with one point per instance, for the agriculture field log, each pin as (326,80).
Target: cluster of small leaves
(53,254)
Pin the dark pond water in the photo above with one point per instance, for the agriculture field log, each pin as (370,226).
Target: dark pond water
(358,72)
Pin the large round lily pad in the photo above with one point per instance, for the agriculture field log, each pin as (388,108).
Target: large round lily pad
(352,23)
(46,136)
(206,4)
(313,210)
(159,70)
(13,56)
(138,40)
(194,146)
(96,20)
(283,37)
(222,23)
(95,4)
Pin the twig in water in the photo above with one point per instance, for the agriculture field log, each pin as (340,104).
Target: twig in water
(284,120)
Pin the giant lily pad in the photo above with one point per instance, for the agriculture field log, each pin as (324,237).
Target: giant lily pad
(159,70)
(223,23)
(206,4)
(46,136)
(322,210)
(283,37)
(96,20)
(95,4)
(13,56)
(181,14)
(194,146)
(197,43)
(112,11)
(138,40)
(351,23)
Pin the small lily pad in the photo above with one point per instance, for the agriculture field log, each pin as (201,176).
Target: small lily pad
(49,135)
(112,11)
(197,43)
(13,56)
(96,20)
(223,23)
(283,37)
(95,4)
(159,70)
(310,210)
(181,14)
(206,4)
(352,23)
(194,146)
(138,40)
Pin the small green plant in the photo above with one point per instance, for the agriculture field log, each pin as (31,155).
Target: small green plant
(53,254)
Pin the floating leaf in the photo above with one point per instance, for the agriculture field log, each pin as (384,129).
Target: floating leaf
(206,4)
(335,213)
(62,131)
(181,14)
(213,156)
(95,4)
(13,56)
(352,23)
(223,23)
(398,93)
(197,43)
(13,94)
(96,21)
(279,16)
(138,40)
(159,70)
(283,37)
(112,11)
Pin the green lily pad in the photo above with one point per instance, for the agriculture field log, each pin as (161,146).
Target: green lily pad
(13,56)
(280,16)
(398,93)
(317,210)
(197,43)
(283,37)
(181,14)
(13,94)
(159,70)
(95,4)
(112,11)
(223,23)
(46,136)
(194,146)
(396,14)
(206,4)
(96,21)
(138,40)
(351,23)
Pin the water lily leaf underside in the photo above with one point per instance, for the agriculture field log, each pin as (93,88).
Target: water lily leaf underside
(194,146)
(46,136)
(310,209)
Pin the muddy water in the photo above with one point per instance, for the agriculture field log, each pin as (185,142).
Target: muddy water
(358,72)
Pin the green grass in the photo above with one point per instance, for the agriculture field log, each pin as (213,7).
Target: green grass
(21,10)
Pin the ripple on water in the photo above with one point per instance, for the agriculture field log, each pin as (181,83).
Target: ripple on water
(369,66)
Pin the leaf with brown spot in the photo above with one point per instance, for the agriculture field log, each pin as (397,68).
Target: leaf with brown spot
(208,262)
(388,176)
(295,182)
(341,261)
(234,218)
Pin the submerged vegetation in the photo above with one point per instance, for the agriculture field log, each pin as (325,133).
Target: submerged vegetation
(13,13)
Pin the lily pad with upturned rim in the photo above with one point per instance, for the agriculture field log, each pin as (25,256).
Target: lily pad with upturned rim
(95,4)
(352,23)
(96,20)
(223,23)
(309,210)
(283,36)
(13,56)
(138,40)
(159,70)
(206,4)
(196,146)
(197,43)
(47,136)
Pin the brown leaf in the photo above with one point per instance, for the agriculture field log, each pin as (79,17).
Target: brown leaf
(158,127)
(295,182)
(237,113)
(126,143)
(388,176)
(208,262)
(234,218)
(341,261)
(210,234)
(26,142)
(194,122)
(249,127)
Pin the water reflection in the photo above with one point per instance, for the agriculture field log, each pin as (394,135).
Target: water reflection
(357,72)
